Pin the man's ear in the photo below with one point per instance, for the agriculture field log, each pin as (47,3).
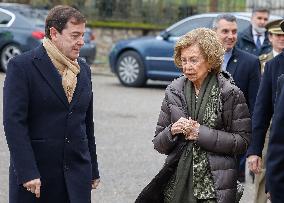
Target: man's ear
(53,33)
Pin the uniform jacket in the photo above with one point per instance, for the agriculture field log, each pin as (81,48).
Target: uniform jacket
(264,105)
(230,138)
(246,43)
(245,70)
(275,159)
(49,138)
(264,58)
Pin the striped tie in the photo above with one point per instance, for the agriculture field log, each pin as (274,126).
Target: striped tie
(258,43)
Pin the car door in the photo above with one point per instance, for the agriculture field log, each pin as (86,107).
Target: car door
(5,21)
(159,56)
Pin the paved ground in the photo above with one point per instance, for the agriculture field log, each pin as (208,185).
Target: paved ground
(125,120)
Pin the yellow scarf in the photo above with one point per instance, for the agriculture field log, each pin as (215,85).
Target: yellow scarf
(67,68)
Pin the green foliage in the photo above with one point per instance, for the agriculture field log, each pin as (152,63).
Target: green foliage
(52,3)
(146,12)
(123,24)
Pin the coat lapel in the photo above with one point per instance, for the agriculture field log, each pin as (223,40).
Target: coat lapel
(281,59)
(49,72)
(232,65)
(78,89)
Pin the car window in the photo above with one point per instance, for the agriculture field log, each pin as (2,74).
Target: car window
(4,18)
(36,16)
(242,24)
(190,25)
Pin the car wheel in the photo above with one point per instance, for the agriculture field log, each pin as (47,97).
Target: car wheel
(7,53)
(130,69)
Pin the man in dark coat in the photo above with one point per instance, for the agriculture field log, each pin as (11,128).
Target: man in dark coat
(48,117)
(275,158)
(258,148)
(264,106)
(244,67)
(254,39)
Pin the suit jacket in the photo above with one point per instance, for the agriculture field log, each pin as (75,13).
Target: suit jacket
(245,70)
(49,138)
(264,106)
(246,43)
(275,158)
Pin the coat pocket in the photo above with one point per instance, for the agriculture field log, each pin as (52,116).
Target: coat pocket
(38,140)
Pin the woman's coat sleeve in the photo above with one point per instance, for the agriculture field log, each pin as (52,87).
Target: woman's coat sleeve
(163,140)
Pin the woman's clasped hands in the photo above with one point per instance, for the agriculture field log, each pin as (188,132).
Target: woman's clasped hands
(188,127)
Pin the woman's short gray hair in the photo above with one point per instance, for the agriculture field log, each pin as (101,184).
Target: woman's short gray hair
(208,43)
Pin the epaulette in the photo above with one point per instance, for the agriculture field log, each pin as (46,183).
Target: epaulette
(263,57)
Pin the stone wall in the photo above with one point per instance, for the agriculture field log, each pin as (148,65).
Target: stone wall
(106,37)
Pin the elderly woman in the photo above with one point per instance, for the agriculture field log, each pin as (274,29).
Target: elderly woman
(204,123)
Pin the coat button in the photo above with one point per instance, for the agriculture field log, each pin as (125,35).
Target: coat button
(67,140)
(66,167)
(69,114)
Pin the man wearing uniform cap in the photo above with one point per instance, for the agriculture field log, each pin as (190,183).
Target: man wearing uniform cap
(276,38)
(275,152)
(272,66)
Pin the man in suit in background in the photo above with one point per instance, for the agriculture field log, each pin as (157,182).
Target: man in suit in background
(244,67)
(264,109)
(254,39)
(275,153)
(48,116)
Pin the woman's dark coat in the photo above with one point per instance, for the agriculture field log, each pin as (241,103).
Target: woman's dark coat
(230,138)
(49,138)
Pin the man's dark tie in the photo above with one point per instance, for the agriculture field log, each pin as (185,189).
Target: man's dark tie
(258,43)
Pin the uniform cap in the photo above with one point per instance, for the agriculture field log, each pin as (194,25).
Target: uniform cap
(275,26)
(282,25)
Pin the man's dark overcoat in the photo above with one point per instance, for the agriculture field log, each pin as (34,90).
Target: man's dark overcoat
(49,138)
(245,70)
(275,158)
(264,105)
(247,44)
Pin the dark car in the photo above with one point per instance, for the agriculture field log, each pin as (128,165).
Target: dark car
(22,29)
(88,51)
(17,34)
(136,60)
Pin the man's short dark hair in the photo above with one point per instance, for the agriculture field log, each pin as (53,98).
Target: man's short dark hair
(226,16)
(59,16)
(260,9)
